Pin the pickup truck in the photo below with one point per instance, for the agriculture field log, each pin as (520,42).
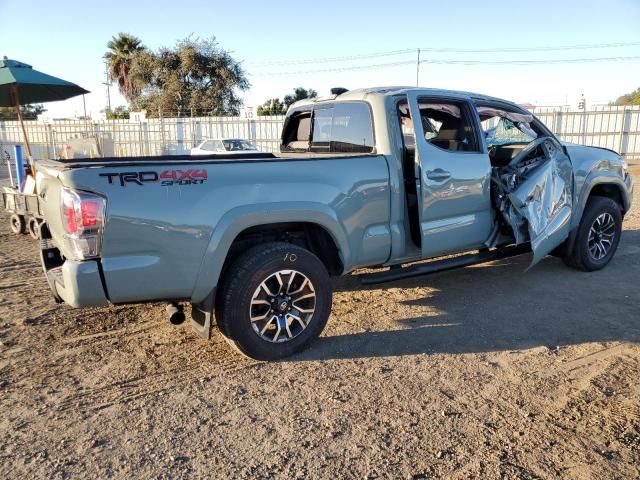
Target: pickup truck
(381,178)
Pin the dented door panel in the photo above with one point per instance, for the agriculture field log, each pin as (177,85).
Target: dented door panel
(542,201)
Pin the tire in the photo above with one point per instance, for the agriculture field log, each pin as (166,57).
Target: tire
(604,215)
(17,224)
(33,226)
(282,324)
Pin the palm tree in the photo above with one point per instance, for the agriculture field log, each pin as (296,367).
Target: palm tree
(122,48)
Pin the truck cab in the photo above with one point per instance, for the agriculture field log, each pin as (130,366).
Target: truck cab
(447,153)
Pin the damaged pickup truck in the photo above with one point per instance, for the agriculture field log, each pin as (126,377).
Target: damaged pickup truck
(382,177)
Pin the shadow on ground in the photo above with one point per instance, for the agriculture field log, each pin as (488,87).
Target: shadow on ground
(498,307)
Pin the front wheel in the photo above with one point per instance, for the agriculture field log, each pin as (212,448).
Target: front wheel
(598,235)
(274,300)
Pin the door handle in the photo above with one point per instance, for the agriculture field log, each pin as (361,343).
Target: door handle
(438,174)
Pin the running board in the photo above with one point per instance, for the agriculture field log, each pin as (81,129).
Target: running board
(444,264)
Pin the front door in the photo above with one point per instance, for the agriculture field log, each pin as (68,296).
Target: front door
(452,173)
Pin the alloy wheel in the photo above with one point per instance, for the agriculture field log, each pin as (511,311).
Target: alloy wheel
(601,236)
(282,306)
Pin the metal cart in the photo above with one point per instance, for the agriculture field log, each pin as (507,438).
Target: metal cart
(26,214)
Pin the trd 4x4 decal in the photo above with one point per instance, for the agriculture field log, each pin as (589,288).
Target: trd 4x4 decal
(166,178)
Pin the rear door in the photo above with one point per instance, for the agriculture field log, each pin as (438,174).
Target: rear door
(452,175)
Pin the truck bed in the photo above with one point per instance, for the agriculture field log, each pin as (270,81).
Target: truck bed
(170,220)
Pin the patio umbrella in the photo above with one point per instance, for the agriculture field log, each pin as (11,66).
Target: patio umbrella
(20,84)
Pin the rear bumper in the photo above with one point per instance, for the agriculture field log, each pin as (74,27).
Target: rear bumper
(78,284)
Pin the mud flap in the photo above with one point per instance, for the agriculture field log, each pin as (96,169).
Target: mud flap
(202,317)
(545,201)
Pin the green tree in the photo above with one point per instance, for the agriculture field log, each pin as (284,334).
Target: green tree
(194,76)
(122,48)
(273,106)
(632,98)
(299,94)
(119,113)
(29,112)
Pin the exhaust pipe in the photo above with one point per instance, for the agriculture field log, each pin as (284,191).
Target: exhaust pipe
(176,313)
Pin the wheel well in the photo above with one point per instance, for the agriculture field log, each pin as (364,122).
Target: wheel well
(310,236)
(610,191)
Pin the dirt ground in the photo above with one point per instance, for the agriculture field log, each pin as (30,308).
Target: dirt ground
(486,372)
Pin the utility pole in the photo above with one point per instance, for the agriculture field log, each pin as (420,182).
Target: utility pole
(418,70)
(108,84)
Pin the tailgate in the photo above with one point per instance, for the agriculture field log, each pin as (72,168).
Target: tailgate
(71,269)
(49,188)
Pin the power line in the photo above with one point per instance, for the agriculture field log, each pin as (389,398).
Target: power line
(532,62)
(534,49)
(454,62)
(443,50)
(334,59)
(341,69)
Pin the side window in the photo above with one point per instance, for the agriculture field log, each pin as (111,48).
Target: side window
(352,130)
(321,129)
(342,128)
(296,131)
(447,125)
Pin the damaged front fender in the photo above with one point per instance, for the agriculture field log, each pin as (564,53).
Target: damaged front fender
(539,198)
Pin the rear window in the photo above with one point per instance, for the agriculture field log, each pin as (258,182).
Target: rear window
(344,127)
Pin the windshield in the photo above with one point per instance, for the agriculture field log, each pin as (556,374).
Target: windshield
(506,132)
(235,145)
(502,127)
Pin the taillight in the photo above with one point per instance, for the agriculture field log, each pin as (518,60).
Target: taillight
(83,222)
(89,212)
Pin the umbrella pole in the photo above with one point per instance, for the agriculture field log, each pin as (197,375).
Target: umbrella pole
(24,131)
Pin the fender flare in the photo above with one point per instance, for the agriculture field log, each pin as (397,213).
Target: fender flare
(591,181)
(240,218)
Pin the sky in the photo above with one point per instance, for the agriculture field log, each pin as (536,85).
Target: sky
(283,44)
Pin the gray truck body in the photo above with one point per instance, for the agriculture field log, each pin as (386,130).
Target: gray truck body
(171,242)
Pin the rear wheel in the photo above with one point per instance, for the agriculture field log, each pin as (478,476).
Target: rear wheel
(17,224)
(598,235)
(275,299)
